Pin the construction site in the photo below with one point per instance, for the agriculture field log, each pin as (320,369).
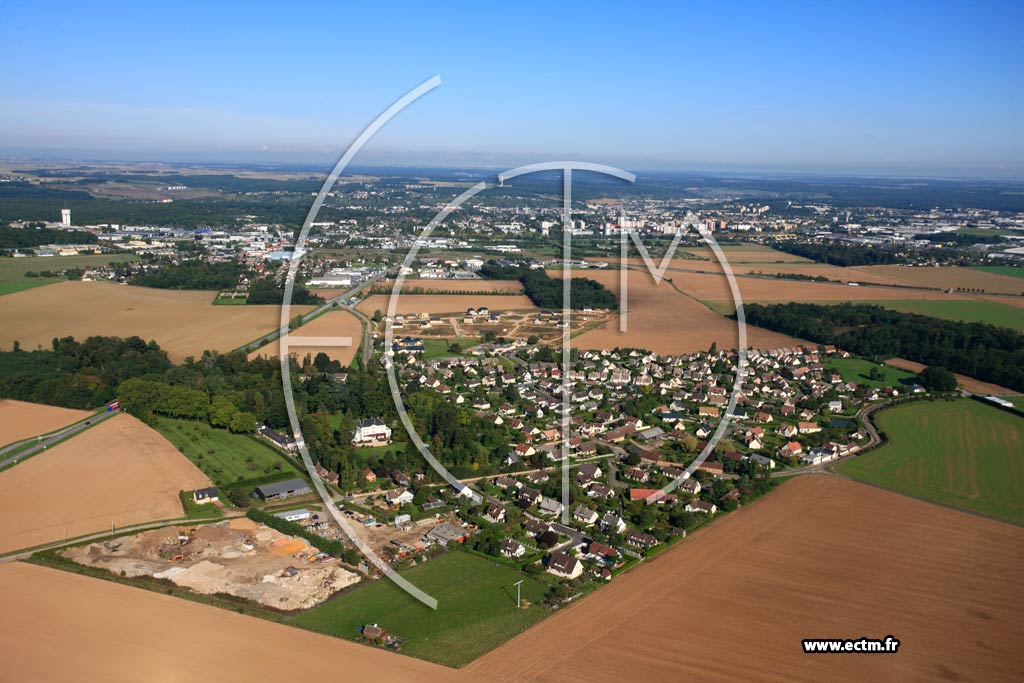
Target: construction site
(236,557)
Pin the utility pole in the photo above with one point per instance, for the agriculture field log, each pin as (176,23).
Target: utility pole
(519,593)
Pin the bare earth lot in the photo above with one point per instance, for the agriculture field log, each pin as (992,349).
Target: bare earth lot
(20,420)
(119,471)
(184,323)
(237,557)
(445,303)
(331,324)
(108,632)
(665,321)
(822,557)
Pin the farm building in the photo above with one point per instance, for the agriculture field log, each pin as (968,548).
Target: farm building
(294,515)
(282,489)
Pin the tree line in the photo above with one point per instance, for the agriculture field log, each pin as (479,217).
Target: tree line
(985,352)
(838,253)
(547,292)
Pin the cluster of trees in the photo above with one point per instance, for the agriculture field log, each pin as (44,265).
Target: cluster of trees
(77,374)
(266,291)
(959,239)
(34,235)
(196,274)
(986,352)
(839,254)
(546,292)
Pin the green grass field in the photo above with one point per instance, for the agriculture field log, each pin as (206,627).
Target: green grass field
(225,457)
(958,453)
(976,311)
(857,369)
(1012,271)
(229,300)
(476,609)
(437,348)
(12,270)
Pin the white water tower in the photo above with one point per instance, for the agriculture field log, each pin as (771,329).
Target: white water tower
(65,217)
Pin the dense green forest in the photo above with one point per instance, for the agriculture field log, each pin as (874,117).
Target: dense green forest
(959,239)
(196,274)
(35,235)
(985,352)
(839,254)
(266,291)
(77,374)
(546,292)
(230,392)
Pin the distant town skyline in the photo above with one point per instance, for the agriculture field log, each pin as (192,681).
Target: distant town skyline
(922,89)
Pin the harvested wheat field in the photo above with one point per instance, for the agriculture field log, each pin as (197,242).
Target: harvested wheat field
(665,321)
(969,383)
(184,323)
(104,631)
(334,323)
(715,289)
(748,253)
(119,471)
(821,557)
(20,419)
(445,303)
(950,277)
(411,285)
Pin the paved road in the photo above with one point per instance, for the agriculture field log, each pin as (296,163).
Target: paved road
(41,443)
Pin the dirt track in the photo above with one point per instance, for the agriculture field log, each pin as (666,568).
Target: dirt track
(20,420)
(822,557)
(120,471)
(183,323)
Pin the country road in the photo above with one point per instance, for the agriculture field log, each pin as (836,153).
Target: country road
(41,443)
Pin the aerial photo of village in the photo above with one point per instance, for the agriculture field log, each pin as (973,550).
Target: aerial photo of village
(430,416)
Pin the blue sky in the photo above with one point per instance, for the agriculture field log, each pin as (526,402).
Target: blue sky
(920,88)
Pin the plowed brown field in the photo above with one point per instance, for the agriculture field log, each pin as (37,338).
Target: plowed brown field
(183,323)
(664,321)
(20,420)
(119,471)
(822,557)
(107,632)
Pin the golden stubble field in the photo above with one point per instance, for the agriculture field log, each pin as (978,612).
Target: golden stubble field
(20,419)
(445,303)
(950,277)
(664,321)
(410,284)
(334,323)
(184,323)
(820,558)
(119,471)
